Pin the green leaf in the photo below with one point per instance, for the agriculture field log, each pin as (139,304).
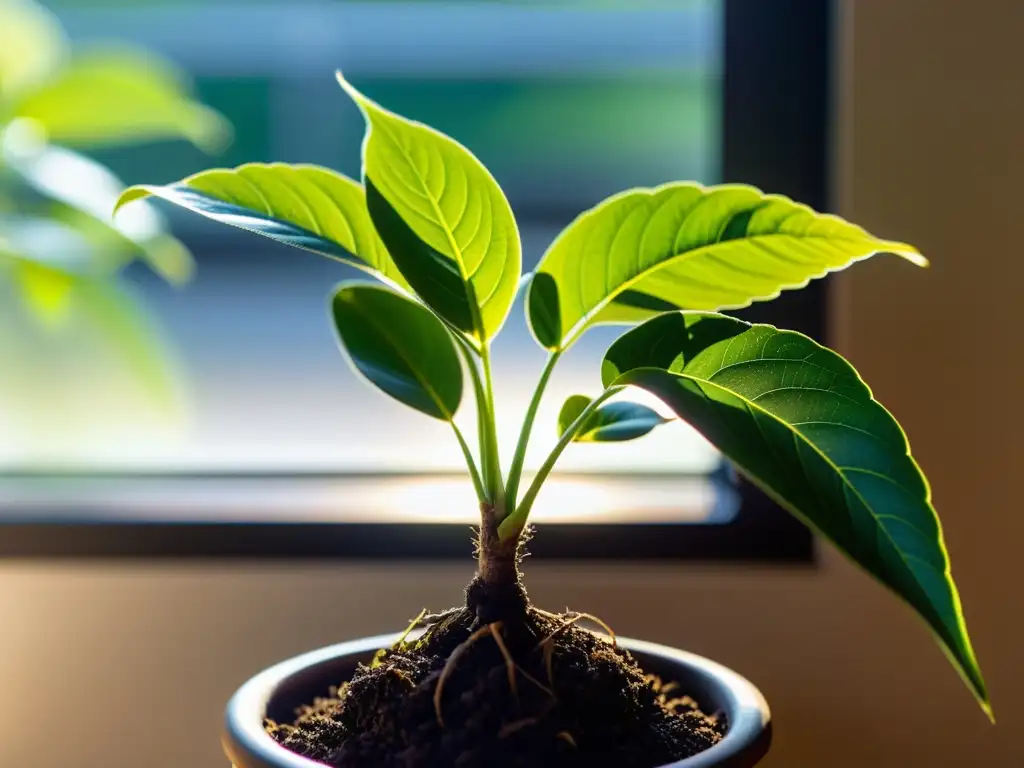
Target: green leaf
(399,346)
(611,423)
(305,206)
(444,219)
(798,420)
(683,245)
(116,97)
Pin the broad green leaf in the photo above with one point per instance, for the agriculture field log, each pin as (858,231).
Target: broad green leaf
(444,219)
(399,346)
(32,45)
(683,245)
(84,192)
(612,422)
(305,206)
(798,420)
(117,97)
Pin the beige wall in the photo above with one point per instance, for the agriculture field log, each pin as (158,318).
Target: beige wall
(117,665)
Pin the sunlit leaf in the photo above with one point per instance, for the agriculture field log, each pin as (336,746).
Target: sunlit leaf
(683,245)
(400,347)
(119,97)
(612,422)
(304,206)
(444,219)
(798,420)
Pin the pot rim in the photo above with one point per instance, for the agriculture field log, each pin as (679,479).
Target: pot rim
(745,742)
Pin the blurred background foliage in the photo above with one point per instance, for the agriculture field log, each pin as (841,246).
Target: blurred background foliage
(566,101)
(78,349)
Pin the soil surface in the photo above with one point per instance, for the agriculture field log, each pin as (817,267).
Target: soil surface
(530,689)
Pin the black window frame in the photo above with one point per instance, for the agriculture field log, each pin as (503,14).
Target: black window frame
(776,135)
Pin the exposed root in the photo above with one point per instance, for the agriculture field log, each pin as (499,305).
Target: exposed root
(572,620)
(449,666)
(517,725)
(566,736)
(434,618)
(510,664)
(513,668)
(535,681)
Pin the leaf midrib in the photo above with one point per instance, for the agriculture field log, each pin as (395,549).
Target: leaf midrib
(584,321)
(449,234)
(838,470)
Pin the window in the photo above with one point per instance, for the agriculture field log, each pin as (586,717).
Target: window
(566,104)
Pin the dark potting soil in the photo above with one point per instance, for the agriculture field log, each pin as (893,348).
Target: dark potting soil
(507,698)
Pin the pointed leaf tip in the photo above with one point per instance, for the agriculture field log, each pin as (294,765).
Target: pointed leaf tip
(648,250)
(801,423)
(130,195)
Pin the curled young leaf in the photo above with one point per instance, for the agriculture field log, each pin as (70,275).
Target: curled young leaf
(444,219)
(400,347)
(610,423)
(682,245)
(797,419)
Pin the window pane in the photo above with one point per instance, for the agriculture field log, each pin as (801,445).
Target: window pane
(566,104)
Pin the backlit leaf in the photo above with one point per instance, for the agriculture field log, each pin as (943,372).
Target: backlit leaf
(683,245)
(444,219)
(798,420)
(305,206)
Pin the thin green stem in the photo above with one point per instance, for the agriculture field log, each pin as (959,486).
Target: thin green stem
(468,454)
(480,395)
(515,472)
(492,460)
(513,525)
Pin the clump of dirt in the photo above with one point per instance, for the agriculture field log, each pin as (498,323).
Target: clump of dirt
(530,689)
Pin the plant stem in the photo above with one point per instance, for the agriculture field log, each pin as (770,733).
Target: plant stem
(490,459)
(512,526)
(474,473)
(481,408)
(486,433)
(515,472)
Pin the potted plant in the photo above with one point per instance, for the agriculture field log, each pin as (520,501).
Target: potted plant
(498,681)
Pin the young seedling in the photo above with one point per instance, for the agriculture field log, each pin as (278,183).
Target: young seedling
(433,226)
